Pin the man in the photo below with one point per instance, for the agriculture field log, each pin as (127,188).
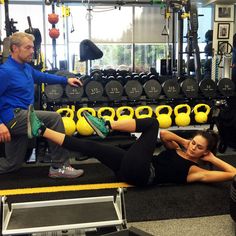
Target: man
(17,80)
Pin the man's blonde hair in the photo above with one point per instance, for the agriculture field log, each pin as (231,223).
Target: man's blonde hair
(16,39)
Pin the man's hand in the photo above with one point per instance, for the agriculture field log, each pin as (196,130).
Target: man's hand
(5,135)
(74,82)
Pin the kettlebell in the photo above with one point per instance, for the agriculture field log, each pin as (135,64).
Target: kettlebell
(68,120)
(140,109)
(102,113)
(182,118)
(82,125)
(201,116)
(121,115)
(164,119)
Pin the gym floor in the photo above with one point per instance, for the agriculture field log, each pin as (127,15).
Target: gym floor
(221,225)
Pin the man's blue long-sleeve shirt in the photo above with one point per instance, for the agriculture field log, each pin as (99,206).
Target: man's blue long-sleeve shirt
(17,86)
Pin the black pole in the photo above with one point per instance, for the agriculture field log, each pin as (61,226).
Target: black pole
(180,44)
(54,50)
(173,65)
(7,21)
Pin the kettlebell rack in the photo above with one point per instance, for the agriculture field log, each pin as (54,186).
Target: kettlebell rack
(66,214)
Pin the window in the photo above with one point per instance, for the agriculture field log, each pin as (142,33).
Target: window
(111,25)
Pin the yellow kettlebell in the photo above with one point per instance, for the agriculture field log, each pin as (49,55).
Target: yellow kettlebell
(164,119)
(201,116)
(107,113)
(82,125)
(121,113)
(182,118)
(68,120)
(139,112)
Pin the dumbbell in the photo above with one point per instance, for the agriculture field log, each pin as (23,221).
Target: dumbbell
(73,93)
(54,92)
(207,87)
(133,88)
(171,88)
(94,87)
(226,87)
(152,87)
(189,87)
(114,88)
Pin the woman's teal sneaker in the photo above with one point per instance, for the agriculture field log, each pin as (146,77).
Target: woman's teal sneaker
(98,124)
(33,123)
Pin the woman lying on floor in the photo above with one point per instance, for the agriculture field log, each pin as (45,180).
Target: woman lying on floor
(138,166)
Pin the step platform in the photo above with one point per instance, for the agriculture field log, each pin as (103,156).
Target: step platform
(63,215)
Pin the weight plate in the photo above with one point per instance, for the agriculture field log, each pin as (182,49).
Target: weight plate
(208,88)
(54,91)
(114,90)
(74,93)
(190,88)
(152,89)
(94,90)
(133,89)
(171,88)
(226,87)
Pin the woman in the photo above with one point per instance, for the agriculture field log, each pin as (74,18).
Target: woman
(138,166)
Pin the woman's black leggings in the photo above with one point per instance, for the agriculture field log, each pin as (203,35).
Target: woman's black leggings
(133,165)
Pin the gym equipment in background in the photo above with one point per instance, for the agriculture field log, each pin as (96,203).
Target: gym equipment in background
(143,112)
(124,112)
(68,120)
(152,89)
(182,114)
(133,88)
(208,88)
(226,87)
(107,113)
(53,92)
(53,18)
(74,94)
(163,114)
(171,88)
(114,89)
(37,60)
(189,88)
(82,125)
(201,112)
(88,52)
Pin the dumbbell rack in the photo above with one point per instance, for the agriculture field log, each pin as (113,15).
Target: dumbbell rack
(66,214)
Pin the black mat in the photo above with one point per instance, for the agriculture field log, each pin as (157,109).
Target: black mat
(37,176)
(154,203)
(159,202)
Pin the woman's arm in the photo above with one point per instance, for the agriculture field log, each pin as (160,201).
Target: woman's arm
(172,140)
(217,162)
(226,171)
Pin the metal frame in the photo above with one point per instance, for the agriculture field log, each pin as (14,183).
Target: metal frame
(117,201)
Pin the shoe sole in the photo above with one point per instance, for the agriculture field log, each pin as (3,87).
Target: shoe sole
(97,131)
(29,129)
(56,176)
